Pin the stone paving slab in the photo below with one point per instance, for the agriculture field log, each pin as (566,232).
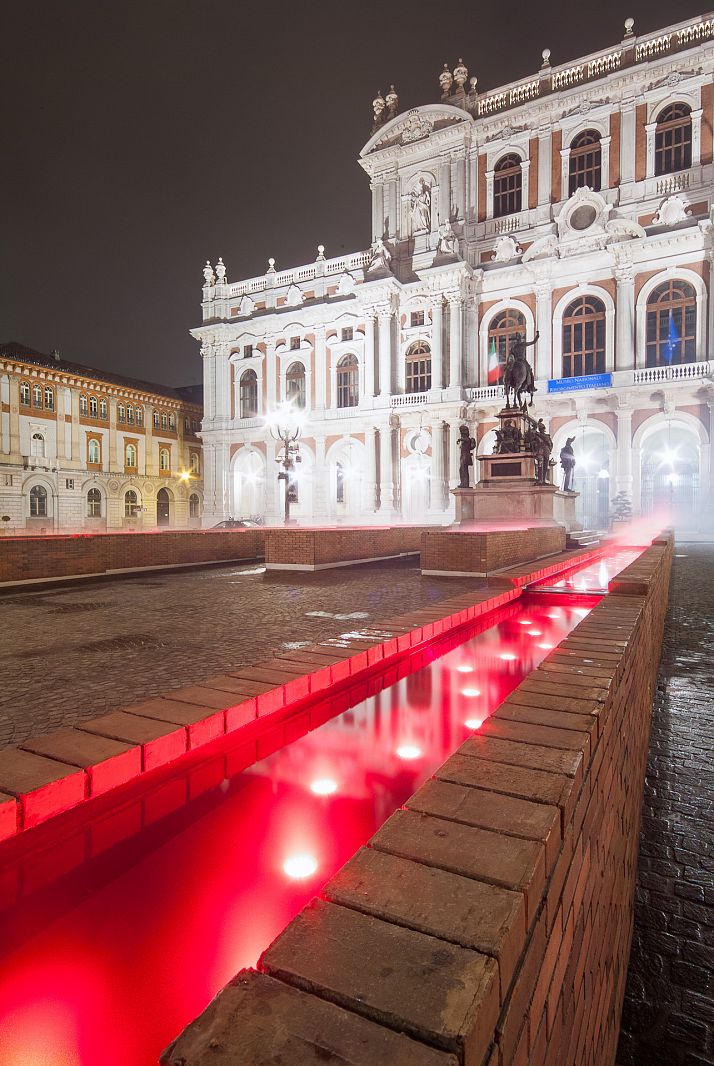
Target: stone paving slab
(107,762)
(44,787)
(265,1022)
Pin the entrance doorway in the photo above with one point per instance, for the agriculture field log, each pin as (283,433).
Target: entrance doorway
(162,507)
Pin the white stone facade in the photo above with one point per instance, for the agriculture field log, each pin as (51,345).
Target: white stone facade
(82,451)
(450,253)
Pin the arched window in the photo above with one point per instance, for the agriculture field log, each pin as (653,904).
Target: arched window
(131,503)
(194,505)
(139,416)
(83,405)
(130,415)
(673,139)
(671,324)
(103,409)
(248,394)
(340,482)
(295,384)
(93,407)
(507,186)
(94,503)
(418,367)
(172,422)
(585,162)
(130,458)
(94,452)
(49,398)
(37,445)
(121,413)
(38,502)
(501,335)
(156,419)
(36,396)
(584,337)
(164,422)
(348,381)
(24,393)
(194,463)
(164,459)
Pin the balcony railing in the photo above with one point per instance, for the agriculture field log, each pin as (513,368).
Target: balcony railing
(410,399)
(487,392)
(652,375)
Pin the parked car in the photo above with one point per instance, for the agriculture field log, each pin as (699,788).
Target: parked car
(236,523)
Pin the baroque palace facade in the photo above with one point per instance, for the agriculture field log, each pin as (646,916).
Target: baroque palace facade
(85,450)
(576,203)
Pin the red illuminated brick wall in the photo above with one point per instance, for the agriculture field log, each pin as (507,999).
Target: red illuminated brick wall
(488,922)
(322,547)
(32,558)
(483,553)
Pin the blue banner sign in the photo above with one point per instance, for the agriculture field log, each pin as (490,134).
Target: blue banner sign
(586,381)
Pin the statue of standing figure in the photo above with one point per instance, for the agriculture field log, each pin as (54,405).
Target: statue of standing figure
(466,447)
(540,442)
(567,461)
(421,208)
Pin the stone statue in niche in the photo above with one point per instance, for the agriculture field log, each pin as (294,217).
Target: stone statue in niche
(421,208)
(567,461)
(448,243)
(466,447)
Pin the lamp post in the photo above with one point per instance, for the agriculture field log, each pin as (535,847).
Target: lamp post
(285,426)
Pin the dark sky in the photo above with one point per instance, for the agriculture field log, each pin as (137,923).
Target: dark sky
(141,137)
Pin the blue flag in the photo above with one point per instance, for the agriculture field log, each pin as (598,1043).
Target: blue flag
(673,340)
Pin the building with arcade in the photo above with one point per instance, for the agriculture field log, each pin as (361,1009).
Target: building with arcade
(576,202)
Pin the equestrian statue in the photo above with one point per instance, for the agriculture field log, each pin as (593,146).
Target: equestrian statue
(518,374)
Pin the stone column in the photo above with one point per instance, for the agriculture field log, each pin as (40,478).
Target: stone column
(273,505)
(223,494)
(544,166)
(210,509)
(525,183)
(436,505)
(458,186)
(625,316)
(627,142)
(456,306)
(650,129)
(444,191)
(384,315)
(564,173)
(321,505)
(697,137)
(543,361)
(369,376)
(209,382)
(386,472)
(377,189)
(76,457)
(451,465)
(489,194)
(437,354)
(271,374)
(370,473)
(605,163)
(707,498)
(321,372)
(60,423)
(623,479)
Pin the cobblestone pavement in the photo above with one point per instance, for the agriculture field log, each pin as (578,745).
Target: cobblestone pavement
(668,1018)
(71,653)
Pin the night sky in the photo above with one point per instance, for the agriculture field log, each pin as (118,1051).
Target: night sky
(141,138)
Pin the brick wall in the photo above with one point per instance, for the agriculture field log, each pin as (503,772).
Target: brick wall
(34,558)
(488,922)
(312,548)
(459,552)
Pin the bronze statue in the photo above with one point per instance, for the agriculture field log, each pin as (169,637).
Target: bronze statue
(508,439)
(567,461)
(466,447)
(540,442)
(518,374)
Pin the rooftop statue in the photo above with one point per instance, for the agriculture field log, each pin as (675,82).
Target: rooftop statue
(518,374)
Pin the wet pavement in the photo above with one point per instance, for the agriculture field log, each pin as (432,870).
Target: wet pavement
(668,1018)
(75,652)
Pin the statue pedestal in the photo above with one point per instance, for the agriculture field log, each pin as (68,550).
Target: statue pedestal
(512,500)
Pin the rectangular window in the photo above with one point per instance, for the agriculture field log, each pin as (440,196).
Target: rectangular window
(294,344)
(417,318)
(348,333)
(69,483)
(247,351)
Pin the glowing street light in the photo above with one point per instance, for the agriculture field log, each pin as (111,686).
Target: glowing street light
(285,425)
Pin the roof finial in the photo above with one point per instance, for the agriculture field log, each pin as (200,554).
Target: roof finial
(320,252)
(392,102)
(629,27)
(209,276)
(271,266)
(378,106)
(546,58)
(461,73)
(221,271)
(446,80)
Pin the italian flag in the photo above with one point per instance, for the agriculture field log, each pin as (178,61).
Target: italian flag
(494,367)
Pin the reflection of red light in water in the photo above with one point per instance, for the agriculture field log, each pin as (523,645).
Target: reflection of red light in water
(470,691)
(525,622)
(409,752)
(546,647)
(323,786)
(300,866)
(465,669)
(173,920)
(535,632)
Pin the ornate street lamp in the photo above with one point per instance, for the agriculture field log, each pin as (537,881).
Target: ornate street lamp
(285,425)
